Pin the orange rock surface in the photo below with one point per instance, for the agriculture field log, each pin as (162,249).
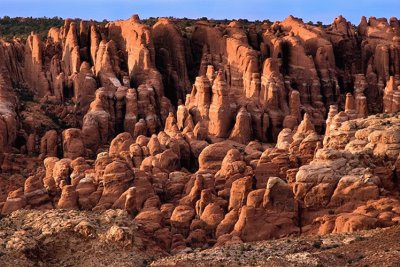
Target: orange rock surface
(206,134)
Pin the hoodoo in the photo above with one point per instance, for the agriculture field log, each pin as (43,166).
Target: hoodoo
(176,135)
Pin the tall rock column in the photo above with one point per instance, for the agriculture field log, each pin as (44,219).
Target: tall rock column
(220,114)
(242,131)
(131,111)
(33,69)
(292,120)
(360,85)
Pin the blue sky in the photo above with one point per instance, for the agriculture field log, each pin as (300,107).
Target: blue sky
(315,10)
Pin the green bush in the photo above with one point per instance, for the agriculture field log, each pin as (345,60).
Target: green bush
(22,27)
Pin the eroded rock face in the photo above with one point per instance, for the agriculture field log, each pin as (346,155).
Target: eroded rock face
(117,178)
(73,145)
(241,132)
(170,49)
(220,112)
(33,72)
(206,135)
(8,103)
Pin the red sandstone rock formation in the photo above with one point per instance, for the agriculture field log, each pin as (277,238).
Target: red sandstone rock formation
(171,59)
(272,139)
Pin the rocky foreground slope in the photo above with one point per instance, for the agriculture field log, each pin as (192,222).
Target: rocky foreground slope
(73,238)
(206,135)
(349,249)
(81,238)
